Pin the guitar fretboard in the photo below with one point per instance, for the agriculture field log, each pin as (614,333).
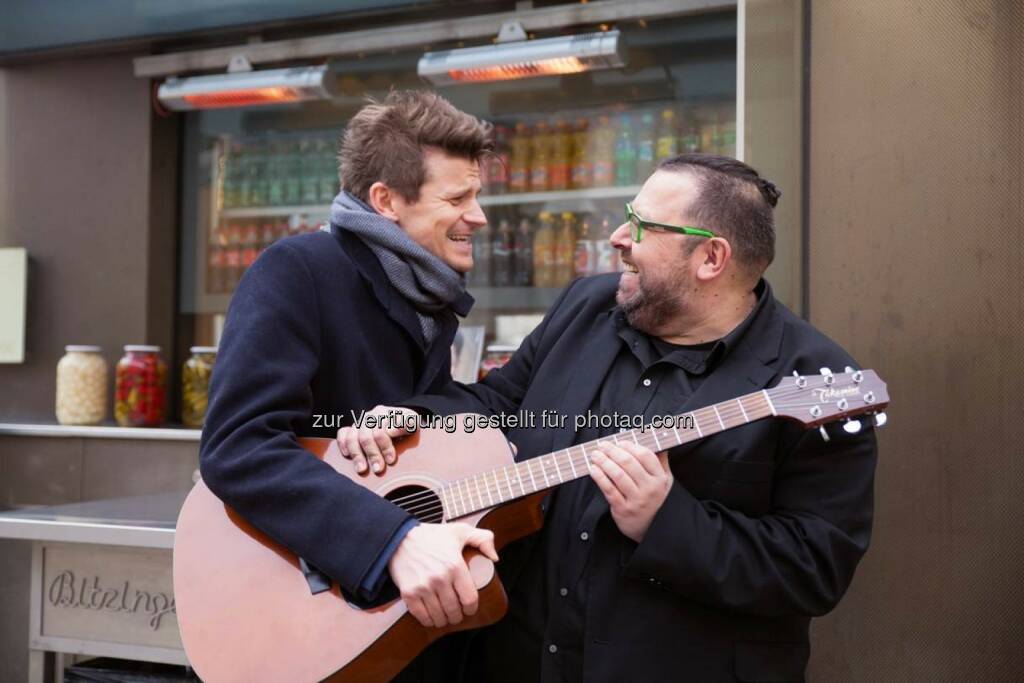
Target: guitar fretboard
(483,491)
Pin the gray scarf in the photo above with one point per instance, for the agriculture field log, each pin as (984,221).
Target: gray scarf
(429,284)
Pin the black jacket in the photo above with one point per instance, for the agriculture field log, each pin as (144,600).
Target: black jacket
(314,331)
(761,531)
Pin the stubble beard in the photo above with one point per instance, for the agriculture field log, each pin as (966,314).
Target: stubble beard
(653,305)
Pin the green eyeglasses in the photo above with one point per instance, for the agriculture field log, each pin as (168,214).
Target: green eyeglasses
(637,226)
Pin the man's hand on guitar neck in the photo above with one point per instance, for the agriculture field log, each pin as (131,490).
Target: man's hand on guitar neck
(432,575)
(373,448)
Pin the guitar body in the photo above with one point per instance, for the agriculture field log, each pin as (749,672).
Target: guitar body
(246,612)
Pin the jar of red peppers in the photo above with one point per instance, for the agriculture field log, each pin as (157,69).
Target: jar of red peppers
(497,355)
(140,387)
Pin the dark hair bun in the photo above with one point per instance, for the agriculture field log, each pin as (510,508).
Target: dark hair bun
(769,191)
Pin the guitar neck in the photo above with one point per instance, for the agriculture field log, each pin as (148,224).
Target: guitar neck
(479,492)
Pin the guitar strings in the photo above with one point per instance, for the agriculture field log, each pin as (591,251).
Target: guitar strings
(778,399)
(555,469)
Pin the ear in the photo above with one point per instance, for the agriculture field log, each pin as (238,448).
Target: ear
(712,258)
(384,201)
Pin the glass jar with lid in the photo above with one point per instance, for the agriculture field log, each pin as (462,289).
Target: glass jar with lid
(195,385)
(140,388)
(81,386)
(495,357)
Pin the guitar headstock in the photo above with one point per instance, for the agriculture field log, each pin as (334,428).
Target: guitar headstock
(814,400)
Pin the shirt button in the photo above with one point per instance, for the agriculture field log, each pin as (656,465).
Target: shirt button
(647,382)
(584,536)
(552,648)
(563,591)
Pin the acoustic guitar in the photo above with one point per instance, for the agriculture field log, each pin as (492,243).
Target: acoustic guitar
(246,611)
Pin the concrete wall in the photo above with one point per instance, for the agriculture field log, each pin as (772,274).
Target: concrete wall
(916,264)
(76,162)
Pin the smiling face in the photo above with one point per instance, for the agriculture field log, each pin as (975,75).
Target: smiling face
(446,215)
(657,282)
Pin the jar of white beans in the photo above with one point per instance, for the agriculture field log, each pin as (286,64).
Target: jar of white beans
(81,386)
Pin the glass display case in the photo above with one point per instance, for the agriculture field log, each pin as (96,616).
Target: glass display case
(571,150)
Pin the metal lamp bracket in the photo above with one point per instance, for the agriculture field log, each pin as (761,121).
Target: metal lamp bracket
(511,31)
(239,63)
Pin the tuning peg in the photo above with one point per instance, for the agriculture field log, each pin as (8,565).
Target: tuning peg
(847,369)
(824,433)
(827,374)
(801,381)
(852,426)
(880,419)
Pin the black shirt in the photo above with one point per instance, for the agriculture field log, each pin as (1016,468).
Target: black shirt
(648,378)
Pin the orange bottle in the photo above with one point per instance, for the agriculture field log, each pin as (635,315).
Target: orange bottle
(561,152)
(603,152)
(582,172)
(540,158)
(544,252)
(565,251)
(519,161)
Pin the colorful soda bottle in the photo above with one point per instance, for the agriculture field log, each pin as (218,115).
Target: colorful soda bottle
(519,162)
(645,147)
(581,175)
(544,252)
(504,253)
(561,157)
(565,251)
(625,152)
(523,253)
(603,153)
(540,158)
(586,254)
(498,163)
(481,274)
(665,145)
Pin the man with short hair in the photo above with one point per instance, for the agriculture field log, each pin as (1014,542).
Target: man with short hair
(330,324)
(707,562)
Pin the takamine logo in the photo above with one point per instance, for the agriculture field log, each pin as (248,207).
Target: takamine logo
(830,393)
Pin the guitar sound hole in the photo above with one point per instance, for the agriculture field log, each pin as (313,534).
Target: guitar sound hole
(420,502)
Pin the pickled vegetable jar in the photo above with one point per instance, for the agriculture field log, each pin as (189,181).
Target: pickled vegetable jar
(81,386)
(497,355)
(140,391)
(195,384)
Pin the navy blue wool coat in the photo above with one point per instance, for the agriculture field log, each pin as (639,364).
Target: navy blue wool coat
(314,331)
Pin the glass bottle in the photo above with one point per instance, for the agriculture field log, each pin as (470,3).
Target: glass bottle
(483,249)
(504,254)
(645,143)
(498,163)
(561,157)
(540,158)
(519,164)
(140,387)
(603,152)
(606,257)
(81,386)
(544,252)
(195,385)
(524,253)
(625,152)
(665,145)
(565,250)
(582,172)
(584,260)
